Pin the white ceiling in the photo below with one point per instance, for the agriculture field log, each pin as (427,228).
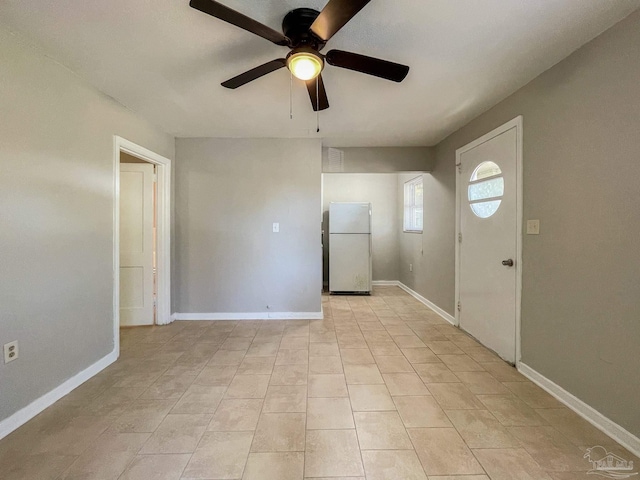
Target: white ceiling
(165,61)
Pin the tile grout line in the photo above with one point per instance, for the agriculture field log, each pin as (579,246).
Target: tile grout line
(205,430)
(253,436)
(355,425)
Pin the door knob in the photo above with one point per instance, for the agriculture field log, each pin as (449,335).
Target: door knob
(507,263)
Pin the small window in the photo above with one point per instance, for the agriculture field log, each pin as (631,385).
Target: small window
(486,188)
(413,205)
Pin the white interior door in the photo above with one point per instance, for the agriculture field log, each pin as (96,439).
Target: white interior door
(488,242)
(136,244)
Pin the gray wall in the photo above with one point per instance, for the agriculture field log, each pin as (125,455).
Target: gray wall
(384,159)
(431,275)
(381,190)
(56,240)
(581,288)
(229,192)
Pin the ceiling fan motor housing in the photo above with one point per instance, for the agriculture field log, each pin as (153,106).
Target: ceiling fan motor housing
(296,26)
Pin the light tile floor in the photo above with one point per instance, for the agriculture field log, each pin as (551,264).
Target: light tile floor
(381,389)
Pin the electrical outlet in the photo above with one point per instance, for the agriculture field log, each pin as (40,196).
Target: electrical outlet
(411,267)
(10,351)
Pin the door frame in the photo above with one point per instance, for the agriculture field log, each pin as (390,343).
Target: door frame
(163,215)
(461,187)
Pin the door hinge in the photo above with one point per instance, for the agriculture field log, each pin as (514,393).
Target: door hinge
(459,306)
(459,238)
(459,165)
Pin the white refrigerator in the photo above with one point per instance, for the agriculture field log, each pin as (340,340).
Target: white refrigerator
(350,247)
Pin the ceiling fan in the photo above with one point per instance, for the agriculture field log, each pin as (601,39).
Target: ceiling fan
(306,32)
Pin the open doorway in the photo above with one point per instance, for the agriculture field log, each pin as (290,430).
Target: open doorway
(384,193)
(141,236)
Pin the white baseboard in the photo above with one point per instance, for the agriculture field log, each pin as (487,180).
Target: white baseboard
(591,415)
(22,416)
(251,316)
(385,283)
(429,304)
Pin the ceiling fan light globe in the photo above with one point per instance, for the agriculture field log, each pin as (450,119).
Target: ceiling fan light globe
(304,66)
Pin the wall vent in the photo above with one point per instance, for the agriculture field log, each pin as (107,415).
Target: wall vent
(336,161)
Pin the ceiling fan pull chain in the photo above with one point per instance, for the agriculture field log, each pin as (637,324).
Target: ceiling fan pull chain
(318,104)
(290,96)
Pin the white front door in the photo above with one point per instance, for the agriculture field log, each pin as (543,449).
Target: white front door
(136,244)
(488,218)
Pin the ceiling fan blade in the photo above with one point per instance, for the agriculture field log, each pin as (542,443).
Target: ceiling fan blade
(255,73)
(334,16)
(369,65)
(315,91)
(218,10)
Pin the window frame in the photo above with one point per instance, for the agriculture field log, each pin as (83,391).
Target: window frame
(497,174)
(411,206)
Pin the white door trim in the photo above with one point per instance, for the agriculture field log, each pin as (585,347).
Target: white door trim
(461,186)
(163,312)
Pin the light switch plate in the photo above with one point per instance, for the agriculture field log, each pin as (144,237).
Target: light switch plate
(276,228)
(533,227)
